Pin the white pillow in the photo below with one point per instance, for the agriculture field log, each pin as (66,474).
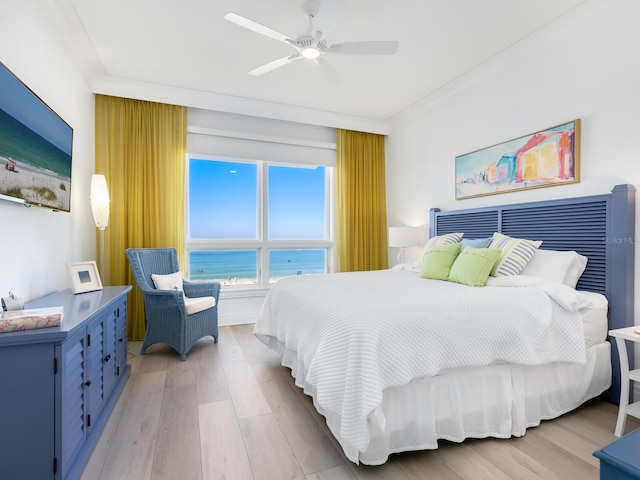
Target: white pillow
(577,269)
(172,281)
(447,239)
(559,266)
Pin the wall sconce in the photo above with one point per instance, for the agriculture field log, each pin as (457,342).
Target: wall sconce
(100,207)
(403,237)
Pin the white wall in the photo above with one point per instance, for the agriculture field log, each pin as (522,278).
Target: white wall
(583,66)
(35,243)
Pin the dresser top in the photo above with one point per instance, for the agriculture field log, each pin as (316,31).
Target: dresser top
(77,309)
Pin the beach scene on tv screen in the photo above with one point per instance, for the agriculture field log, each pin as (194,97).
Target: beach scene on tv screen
(35,147)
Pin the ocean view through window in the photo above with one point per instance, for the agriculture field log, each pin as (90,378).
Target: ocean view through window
(252,223)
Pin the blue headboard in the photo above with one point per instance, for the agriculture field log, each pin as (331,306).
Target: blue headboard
(601,227)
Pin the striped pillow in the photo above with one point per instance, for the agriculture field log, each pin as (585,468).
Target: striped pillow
(516,253)
(447,239)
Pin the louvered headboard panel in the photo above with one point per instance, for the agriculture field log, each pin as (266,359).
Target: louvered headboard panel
(601,227)
(575,226)
(474,224)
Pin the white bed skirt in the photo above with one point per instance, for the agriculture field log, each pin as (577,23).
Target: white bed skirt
(495,401)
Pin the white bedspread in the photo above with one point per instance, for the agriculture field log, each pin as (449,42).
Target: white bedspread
(356,334)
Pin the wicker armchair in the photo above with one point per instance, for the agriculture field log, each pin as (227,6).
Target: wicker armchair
(165,310)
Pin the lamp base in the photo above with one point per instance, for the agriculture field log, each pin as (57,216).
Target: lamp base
(402,256)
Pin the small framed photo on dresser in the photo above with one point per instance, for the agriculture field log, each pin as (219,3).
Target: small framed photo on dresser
(84,277)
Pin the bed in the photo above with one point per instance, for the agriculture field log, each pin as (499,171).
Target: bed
(399,376)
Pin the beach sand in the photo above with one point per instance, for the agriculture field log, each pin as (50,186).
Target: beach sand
(35,185)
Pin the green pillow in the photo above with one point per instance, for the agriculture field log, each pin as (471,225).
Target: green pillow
(437,261)
(473,265)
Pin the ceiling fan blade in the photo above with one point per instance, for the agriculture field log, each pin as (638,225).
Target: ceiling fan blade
(364,48)
(275,64)
(327,72)
(258,28)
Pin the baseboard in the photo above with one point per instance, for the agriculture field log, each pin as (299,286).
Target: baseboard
(236,319)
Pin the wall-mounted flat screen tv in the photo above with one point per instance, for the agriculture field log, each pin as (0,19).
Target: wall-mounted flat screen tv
(35,148)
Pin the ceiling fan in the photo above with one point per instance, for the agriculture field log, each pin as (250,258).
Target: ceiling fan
(311,44)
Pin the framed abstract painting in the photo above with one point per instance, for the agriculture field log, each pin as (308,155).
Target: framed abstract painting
(543,159)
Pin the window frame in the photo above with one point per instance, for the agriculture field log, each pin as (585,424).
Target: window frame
(262,244)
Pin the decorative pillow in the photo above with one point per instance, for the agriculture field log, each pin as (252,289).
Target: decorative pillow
(172,281)
(437,262)
(559,266)
(516,253)
(447,239)
(476,242)
(473,265)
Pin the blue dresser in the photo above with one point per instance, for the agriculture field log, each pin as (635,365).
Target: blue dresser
(59,385)
(620,460)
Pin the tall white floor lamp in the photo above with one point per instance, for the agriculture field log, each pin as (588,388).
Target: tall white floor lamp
(100,208)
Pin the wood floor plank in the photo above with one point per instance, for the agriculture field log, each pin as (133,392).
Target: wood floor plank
(416,465)
(221,445)
(389,471)
(601,433)
(606,416)
(268,450)
(131,455)
(180,373)
(252,348)
(211,380)
(247,396)
(467,463)
(309,442)
(156,358)
(581,447)
(555,457)
(512,461)
(342,472)
(177,452)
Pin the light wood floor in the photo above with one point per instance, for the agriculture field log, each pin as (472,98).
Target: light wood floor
(231,412)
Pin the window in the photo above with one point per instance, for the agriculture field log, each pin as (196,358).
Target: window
(251,223)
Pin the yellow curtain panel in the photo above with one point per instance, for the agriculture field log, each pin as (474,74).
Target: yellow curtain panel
(140,148)
(361,235)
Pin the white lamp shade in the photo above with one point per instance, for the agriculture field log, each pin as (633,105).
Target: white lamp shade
(100,201)
(403,236)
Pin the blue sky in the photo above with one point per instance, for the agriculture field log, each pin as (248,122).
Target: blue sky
(223,201)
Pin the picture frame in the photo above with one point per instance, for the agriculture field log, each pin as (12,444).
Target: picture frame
(546,158)
(84,277)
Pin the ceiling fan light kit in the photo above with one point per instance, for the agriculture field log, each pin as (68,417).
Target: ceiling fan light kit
(311,44)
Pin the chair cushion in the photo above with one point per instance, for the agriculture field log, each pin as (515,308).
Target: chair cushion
(173,281)
(198,304)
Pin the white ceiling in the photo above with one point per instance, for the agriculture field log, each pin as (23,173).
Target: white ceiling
(188,45)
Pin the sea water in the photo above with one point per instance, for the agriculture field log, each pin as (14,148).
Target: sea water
(242,264)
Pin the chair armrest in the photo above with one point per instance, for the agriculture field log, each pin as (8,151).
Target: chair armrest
(201,289)
(162,299)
